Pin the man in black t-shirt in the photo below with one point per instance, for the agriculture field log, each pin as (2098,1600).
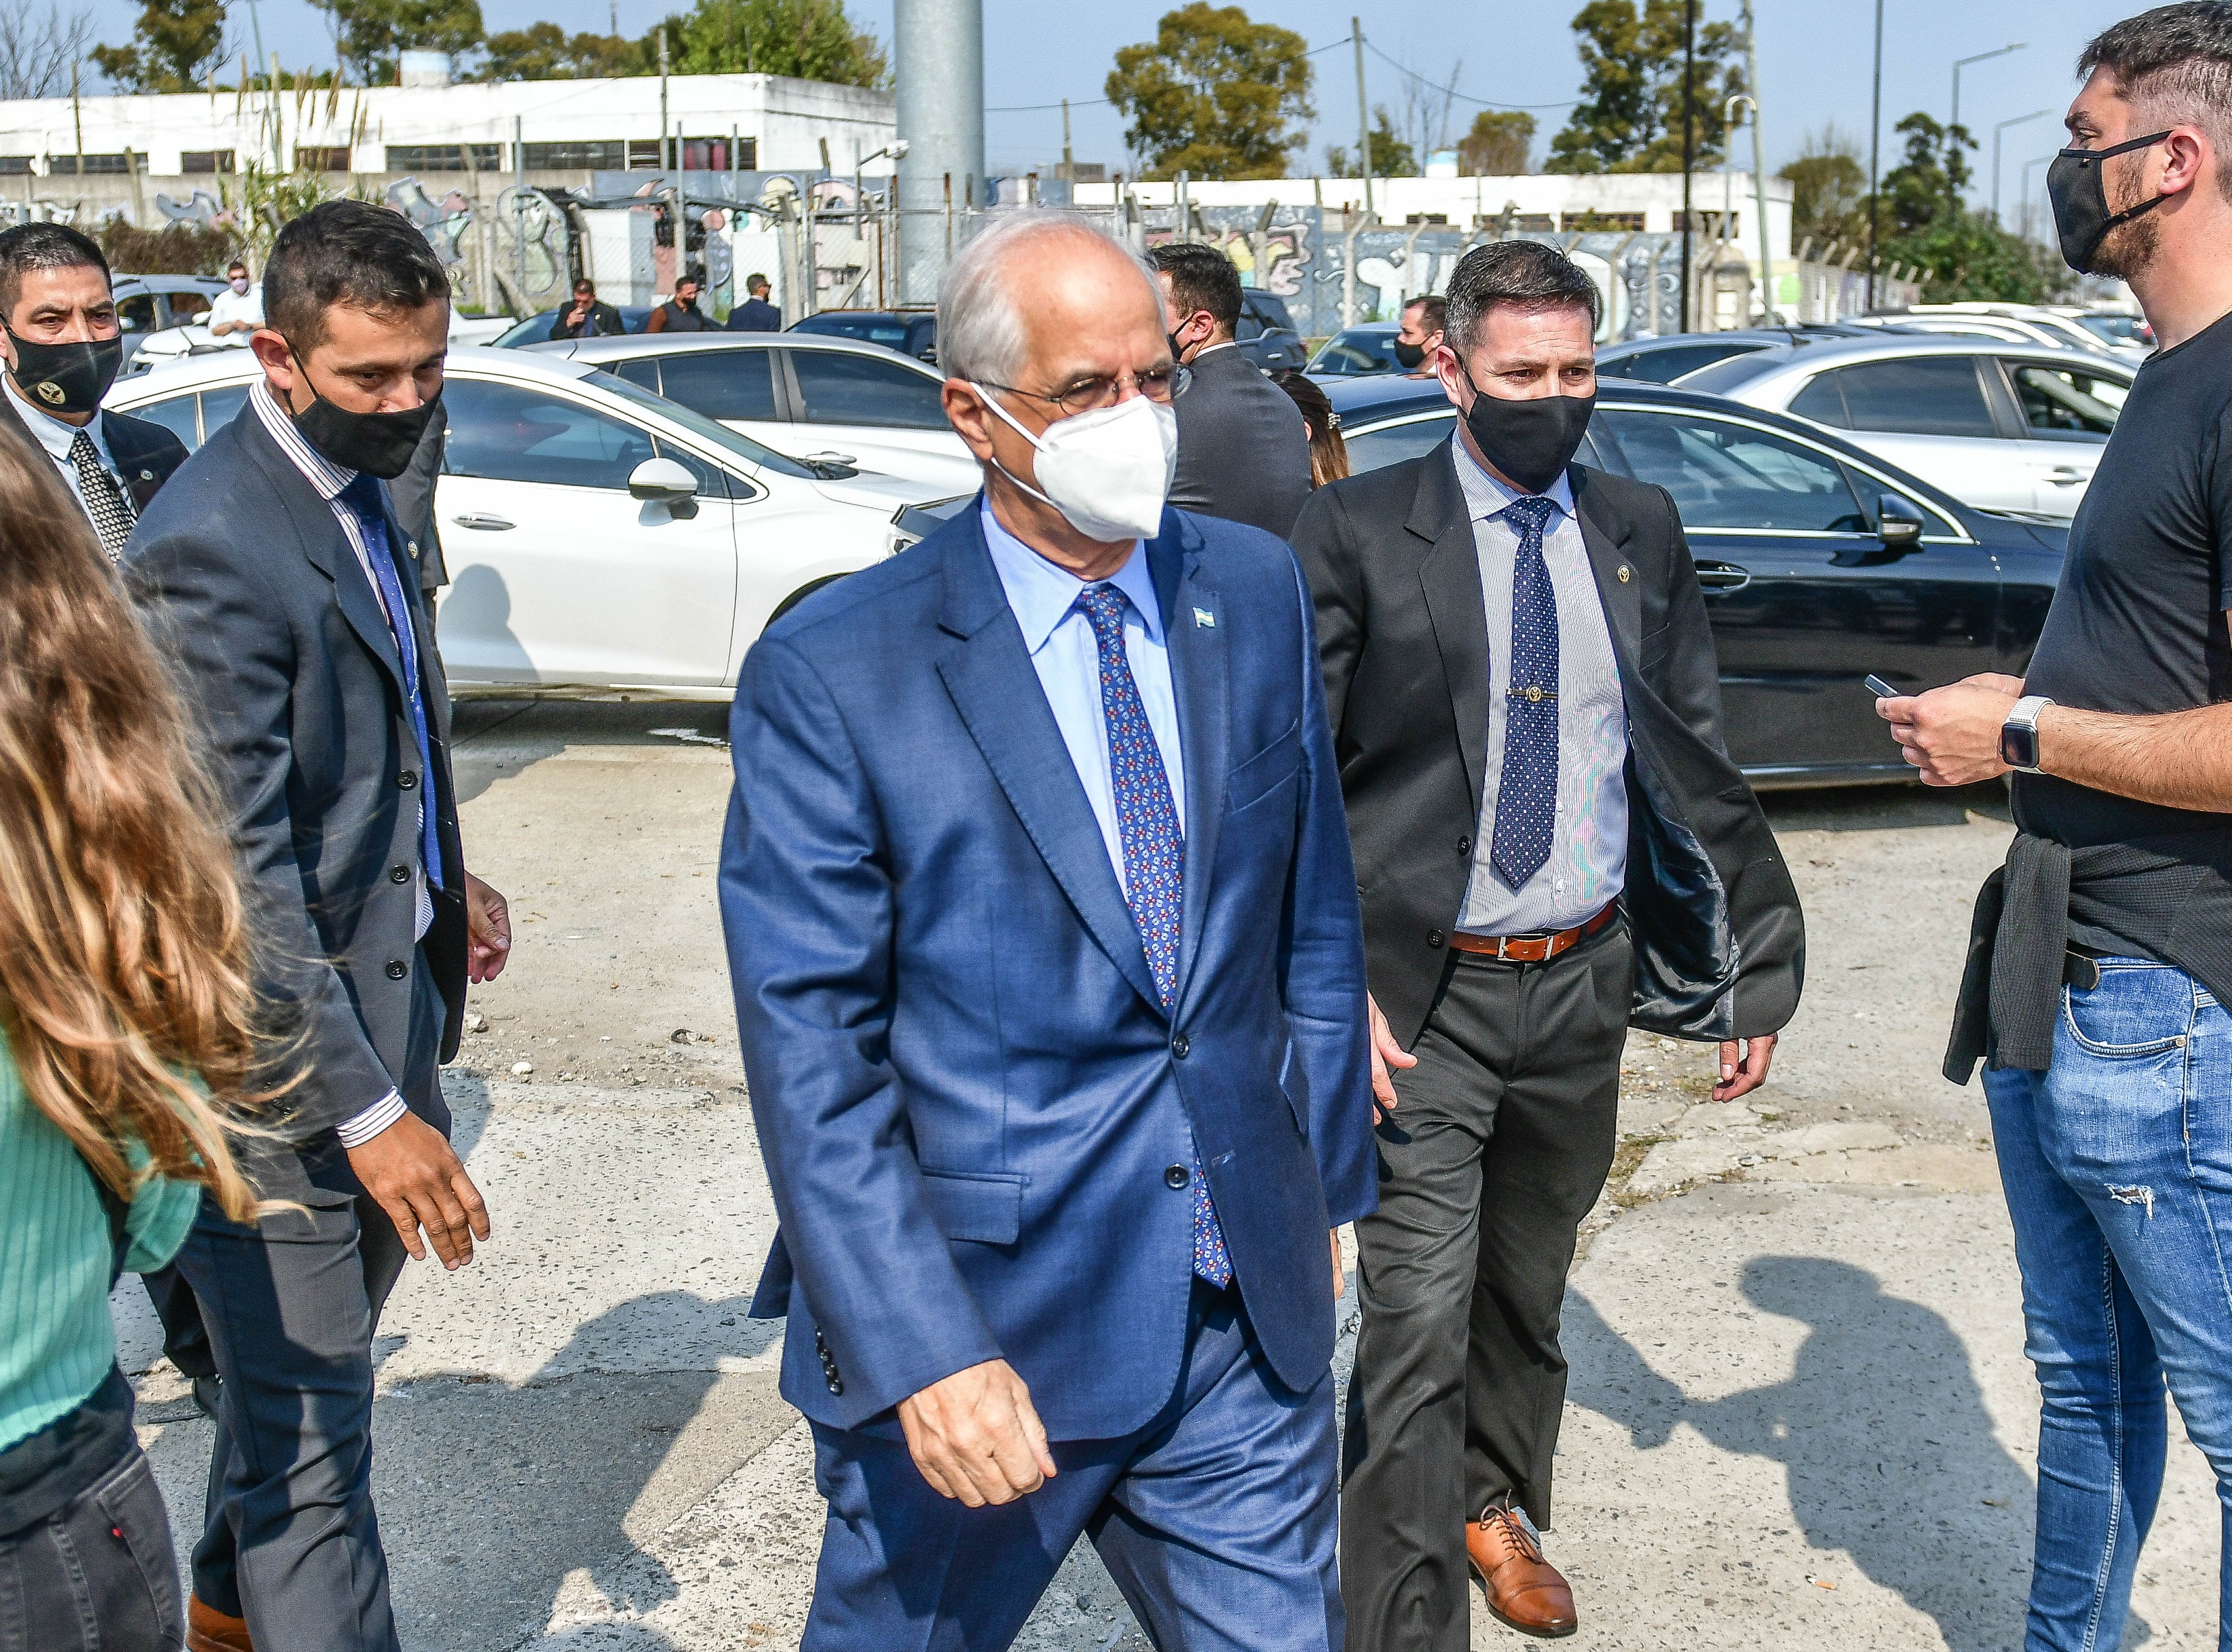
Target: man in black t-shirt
(2100,962)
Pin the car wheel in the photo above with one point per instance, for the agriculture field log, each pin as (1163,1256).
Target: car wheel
(801,595)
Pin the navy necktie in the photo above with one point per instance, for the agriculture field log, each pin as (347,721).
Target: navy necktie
(362,497)
(1154,859)
(1526,798)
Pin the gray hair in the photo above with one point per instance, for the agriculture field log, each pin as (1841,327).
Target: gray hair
(2173,65)
(980,328)
(1531,274)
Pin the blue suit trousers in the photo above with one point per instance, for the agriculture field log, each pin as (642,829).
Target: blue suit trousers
(1216,1520)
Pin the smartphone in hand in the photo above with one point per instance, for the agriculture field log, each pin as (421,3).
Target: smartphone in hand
(1880,689)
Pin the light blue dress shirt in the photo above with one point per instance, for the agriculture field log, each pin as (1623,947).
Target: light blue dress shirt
(57,437)
(1067,659)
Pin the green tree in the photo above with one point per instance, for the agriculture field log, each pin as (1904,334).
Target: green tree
(1213,95)
(808,40)
(1928,181)
(174,46)
(371,34)
(1962,255)
(1828,191)
(1499,145)
(543,51)
(1391,156)
(1629,118)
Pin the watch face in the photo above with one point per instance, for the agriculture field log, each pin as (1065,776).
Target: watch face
(2019,746)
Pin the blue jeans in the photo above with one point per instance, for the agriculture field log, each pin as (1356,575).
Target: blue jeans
(2117,1166)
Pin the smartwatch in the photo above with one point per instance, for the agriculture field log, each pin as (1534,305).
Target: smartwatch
(2019,734)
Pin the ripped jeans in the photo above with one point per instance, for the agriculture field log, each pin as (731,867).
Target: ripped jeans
(2118,1167)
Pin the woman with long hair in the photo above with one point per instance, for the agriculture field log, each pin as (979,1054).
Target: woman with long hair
(1328,453)
(125,1053)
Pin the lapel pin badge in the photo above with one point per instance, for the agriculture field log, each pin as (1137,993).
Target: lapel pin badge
(1206,620)
(1625,573)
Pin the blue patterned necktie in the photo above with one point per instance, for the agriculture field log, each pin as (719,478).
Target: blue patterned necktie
(1526,799)
(1154,859)
(362,497)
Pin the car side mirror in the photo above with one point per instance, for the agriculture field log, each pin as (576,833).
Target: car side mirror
(1899,523)
(664,481)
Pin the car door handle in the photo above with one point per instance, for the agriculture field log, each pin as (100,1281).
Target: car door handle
(1721,576)
(2062,475)
(482,519)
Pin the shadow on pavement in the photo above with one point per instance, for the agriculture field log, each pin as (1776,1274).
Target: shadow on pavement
(1883,808)
(1881,1430)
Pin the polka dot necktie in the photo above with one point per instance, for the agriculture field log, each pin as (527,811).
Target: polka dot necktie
(1154,859)
(105,502)
(1526,799)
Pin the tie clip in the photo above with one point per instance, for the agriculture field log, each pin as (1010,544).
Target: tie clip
(1534,696)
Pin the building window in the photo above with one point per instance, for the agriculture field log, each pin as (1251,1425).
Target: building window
(610,156)
(643,155)
(202,162)
(446,157)
(15,166)
(1603,221)
(321,158)
(65,165)
(1708,223)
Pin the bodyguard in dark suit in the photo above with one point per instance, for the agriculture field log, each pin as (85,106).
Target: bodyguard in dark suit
(1243,452)
(1044,934)
(63,347)
(278,575)
(1551,846)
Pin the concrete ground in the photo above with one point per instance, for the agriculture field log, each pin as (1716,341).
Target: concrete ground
(1799,1411)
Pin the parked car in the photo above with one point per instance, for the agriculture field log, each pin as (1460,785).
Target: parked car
(1266,333)
(1820,563)
(911,333)
(598,536)
(2007,426)
(148,305)
(822,400)
(178,343)
(1356,351)
(536,329)
(2118,329)
(1666,358)
(2058,324)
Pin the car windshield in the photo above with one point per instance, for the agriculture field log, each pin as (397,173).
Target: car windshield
(536,329)
(889,330)
(718,436)
(1355,351)
(1668,362)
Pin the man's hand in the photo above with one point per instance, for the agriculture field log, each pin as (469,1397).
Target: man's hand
(975,1437)
(411,1169)
(1385,1053)
(1952,735)
(1340,1274)
(488,923)
(1744,1066)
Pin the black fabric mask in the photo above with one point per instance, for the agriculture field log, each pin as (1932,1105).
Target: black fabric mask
(2077,187)
(67,378)
(1533,441)
(379,444)
(1410,355)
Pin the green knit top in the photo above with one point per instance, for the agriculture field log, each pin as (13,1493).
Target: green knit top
(57,1343)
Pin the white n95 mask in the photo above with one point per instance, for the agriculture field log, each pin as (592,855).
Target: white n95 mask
(1107,471)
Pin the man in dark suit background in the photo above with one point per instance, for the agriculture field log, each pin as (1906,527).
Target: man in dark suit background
(278,577)
(587,317)
(756,315)
(1243,452)
(1551,846)
(1044,936)
(63,348)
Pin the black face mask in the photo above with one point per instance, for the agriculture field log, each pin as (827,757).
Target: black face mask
(379,444)
(67,378)
(1532,442)
(2078,188)
(1410,355)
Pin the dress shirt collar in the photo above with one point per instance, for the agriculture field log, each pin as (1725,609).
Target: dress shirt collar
(1486,496)
(323,473)
(1042,594)
(53,434)
(1221,344)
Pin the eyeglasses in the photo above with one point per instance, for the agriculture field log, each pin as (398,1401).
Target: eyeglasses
(1090,395)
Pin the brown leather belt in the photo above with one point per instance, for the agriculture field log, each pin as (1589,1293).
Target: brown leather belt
(1532,948)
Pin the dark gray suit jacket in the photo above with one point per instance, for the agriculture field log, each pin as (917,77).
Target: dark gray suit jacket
(1243,453)
(278,641)
(1720,942)
(145,453)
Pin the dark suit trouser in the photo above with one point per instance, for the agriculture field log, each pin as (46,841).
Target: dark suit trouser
(291,1542)
(1500,1144)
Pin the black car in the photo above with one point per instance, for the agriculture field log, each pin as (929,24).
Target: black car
(536,329)
(1267,333)
(912,333)
(1820,563)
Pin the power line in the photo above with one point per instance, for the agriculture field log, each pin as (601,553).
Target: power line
(1451,91)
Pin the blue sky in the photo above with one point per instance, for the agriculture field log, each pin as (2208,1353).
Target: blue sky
(1815,59)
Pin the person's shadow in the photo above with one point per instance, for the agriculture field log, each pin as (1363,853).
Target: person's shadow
(1882,1433)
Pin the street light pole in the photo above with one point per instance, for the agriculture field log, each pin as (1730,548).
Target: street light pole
(1689,142)
(1875,154)
(1363,120)
(1996,130)
(2042,160)
(1758,169)
(1951,151)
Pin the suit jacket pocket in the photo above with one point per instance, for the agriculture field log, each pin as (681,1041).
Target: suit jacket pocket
(982,1206)
(1265,772)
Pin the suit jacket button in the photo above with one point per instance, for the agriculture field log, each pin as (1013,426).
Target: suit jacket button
(407,779)
(1433,937)
(1178,1176)
(1464,845)
(399,874)
(836,1384)
(1181,1046)
(146,476)
(397,969)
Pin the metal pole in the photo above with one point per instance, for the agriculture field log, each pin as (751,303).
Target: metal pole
(665,156)
(1759,171)
(519,206)
(1068,165)
(1689,142)
(1363,119)
(77,119)
(937,56)
(1875,153)
(2000,51)
(2042,160)
(1997,131)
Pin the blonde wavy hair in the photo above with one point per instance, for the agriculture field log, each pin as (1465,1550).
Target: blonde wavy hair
(125,988)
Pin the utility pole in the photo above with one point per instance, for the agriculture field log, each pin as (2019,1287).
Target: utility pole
(667,157)
(1875,154)
(1068,166)
(1689,142)
(519,206)
(1759,169)
(1997,132)
(1363,120)
(77,119)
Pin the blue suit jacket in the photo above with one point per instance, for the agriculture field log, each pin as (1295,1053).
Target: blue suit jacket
(967,1096)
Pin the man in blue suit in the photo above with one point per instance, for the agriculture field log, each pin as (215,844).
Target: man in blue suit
(1050,977)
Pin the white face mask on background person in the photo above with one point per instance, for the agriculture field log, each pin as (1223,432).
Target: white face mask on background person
(239,284)
(1107,471)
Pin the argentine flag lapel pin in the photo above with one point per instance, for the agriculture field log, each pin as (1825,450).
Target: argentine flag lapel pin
(1205,620)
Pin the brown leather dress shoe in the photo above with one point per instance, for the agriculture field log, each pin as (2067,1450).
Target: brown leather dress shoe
(1524,1590)
(209,1630)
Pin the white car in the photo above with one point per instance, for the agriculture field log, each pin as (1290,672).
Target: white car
(597,537)
(823,399)
(170,345)
(2000,424)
